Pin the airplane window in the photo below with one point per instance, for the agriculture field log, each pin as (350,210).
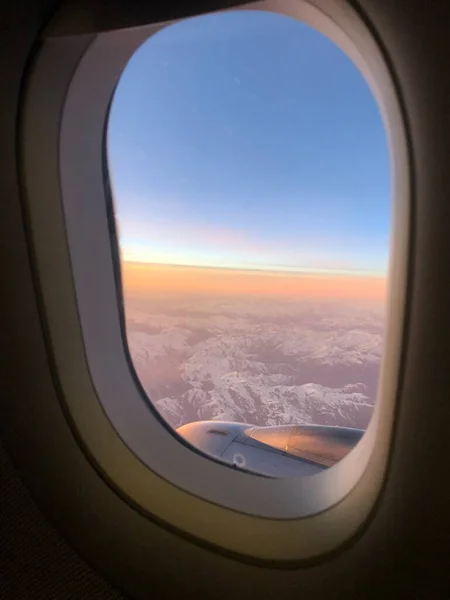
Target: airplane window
(250,178)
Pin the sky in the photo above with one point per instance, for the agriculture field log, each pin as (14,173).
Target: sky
(149,280)
(248,140)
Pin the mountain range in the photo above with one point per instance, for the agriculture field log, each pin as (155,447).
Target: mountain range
(259,361)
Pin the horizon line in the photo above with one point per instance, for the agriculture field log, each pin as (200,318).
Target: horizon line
(274,269)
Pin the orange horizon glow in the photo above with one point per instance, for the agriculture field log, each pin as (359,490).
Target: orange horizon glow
(145,278)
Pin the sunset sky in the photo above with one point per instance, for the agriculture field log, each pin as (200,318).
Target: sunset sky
(249,141)
(146,280)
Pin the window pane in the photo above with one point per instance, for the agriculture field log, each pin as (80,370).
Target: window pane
(250,176)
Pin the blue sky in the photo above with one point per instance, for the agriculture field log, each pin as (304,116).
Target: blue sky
(247,139)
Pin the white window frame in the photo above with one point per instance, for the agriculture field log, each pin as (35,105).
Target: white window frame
(267,519)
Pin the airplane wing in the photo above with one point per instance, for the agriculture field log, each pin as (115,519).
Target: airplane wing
(277,451)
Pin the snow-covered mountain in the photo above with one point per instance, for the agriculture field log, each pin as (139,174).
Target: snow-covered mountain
(264,362)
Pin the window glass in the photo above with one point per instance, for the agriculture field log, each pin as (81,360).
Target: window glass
(250,179)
